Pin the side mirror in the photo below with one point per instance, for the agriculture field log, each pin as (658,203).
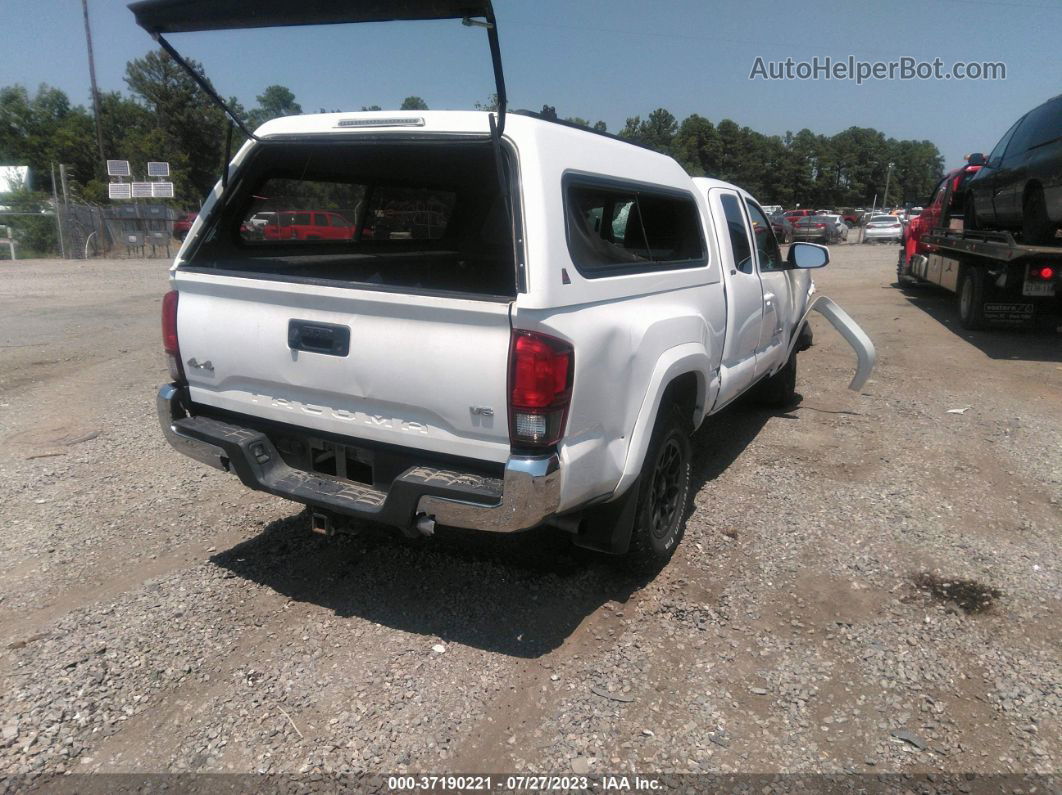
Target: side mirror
(807,255)
(976,159)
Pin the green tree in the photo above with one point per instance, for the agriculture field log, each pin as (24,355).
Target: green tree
(274,103)
(656,132)
(414,103)
(598,126)
(44,128)
(191,125)
(696,146)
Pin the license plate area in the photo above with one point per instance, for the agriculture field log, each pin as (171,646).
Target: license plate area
(1037,286)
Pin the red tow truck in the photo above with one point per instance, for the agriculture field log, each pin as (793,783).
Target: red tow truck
(999,281)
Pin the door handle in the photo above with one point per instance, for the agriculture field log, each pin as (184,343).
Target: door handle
(327,338)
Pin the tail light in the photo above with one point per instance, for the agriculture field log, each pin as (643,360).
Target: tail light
(1043,272)
(169,335)
(820,226)
(541,370)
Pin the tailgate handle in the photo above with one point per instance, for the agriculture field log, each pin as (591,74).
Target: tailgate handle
(314,337)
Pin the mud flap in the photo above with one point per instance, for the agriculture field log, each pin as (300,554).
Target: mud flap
(607,528)
(852,333)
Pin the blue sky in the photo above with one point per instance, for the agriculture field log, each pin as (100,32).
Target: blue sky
(604,59)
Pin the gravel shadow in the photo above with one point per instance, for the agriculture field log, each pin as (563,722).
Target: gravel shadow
(724,436)
(1040,344)
(519,595)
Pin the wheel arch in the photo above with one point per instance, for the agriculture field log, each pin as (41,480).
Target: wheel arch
(1027,191)
(683,374)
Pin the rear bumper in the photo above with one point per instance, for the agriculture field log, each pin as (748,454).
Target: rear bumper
(527,494)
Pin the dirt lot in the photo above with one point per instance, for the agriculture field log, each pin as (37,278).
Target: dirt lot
(156,616)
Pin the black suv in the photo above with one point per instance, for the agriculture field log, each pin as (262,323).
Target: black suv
(1020,186)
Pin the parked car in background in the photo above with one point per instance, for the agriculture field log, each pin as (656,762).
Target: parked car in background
(795,215)
(772,209)
(1020,186)
(183,224)
(306,225)
(816,228)
(783,230)
(883,228)
(839,225)
(254,227)
(851,216)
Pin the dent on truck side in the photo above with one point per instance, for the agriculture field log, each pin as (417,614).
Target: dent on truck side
(626,353)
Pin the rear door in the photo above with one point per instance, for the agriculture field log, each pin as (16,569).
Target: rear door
(987,184)
(744,295)
(778,305)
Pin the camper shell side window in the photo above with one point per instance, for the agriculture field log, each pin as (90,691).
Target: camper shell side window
(615,227)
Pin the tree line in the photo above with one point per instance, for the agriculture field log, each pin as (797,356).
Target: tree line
(166,116)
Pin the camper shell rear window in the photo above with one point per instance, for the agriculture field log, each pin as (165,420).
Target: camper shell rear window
(405,216)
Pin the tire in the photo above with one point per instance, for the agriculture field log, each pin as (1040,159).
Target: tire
(663,491)
(779,390)
(971,293)
(1036,228)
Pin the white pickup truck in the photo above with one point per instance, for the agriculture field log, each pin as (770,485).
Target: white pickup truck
(481,320)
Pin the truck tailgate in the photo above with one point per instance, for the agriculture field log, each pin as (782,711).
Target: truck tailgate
(422,371)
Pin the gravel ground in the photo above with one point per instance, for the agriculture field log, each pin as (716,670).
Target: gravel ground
(157,617)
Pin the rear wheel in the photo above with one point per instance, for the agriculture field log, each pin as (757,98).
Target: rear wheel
(663,491)
(971,297)
(1036,228)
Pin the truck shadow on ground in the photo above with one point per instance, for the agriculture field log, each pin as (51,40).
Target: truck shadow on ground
(520,595)
(1041,344)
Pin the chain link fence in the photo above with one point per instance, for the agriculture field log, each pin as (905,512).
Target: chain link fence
(78,230)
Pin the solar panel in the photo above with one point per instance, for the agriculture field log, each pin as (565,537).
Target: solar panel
(162,190)
(141,190)
(118,168)
(156,169)
(119,190)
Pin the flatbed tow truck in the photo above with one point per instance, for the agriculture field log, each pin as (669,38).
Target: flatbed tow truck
(998,281)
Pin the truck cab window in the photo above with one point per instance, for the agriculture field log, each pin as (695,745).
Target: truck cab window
(739,238)
(767,252)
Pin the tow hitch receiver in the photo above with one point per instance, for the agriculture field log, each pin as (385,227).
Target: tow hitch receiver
(322,523)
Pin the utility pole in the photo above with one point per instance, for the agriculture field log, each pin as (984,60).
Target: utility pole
(58,214)
(62,181)
(92,78)
(885,195)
